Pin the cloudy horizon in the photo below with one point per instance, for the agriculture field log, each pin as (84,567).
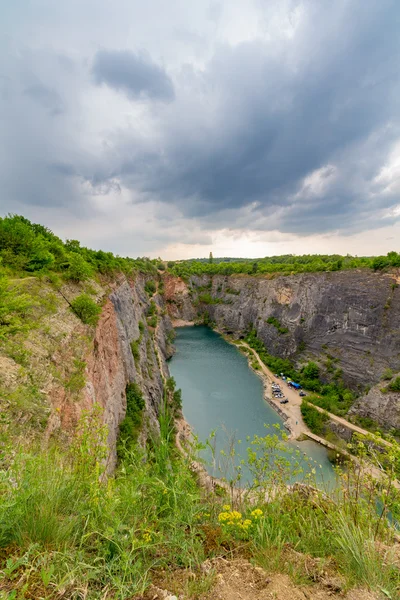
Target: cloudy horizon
(245,129)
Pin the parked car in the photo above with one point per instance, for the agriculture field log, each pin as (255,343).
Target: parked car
(302,393)
(284,401)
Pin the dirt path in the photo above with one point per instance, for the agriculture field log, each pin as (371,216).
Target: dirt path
(292,409)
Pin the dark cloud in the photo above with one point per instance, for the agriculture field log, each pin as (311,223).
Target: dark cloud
(279,116)
(133,74)
(285,131)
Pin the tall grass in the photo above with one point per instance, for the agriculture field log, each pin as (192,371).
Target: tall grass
(68,531)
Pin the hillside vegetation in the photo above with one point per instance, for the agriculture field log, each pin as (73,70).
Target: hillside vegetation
(68,531)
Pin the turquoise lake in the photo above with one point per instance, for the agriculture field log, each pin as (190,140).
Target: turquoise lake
(221,393)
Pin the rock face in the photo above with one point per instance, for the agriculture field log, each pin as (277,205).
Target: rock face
(111,364)
(382,407)
(347,320)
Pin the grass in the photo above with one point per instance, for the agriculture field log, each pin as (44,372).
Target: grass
(66,527)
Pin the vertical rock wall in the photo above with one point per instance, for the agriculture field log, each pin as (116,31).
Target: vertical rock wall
(111,366)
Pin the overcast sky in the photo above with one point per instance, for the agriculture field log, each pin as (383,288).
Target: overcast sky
(248,128)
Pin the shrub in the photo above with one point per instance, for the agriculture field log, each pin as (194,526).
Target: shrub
(152,310)
(311,370)
(152,321)
(130,426)
(135,350)
(150,287)
(302,346)
(313,418)
(78,269)
(86,309)
(206,298)
(394,386)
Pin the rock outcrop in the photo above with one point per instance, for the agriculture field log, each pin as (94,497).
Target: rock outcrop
(380,405)
(347,320)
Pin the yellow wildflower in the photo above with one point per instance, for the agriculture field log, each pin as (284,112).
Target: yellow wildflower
(246,523)
(226,507)
(256,513)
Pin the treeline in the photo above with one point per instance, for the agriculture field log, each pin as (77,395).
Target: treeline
(30,248)
(285,264)
(333,397)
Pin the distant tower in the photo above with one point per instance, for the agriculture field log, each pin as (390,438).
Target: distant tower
(211,258)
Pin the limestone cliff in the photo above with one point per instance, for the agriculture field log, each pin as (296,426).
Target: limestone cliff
(111,364)
(347,320)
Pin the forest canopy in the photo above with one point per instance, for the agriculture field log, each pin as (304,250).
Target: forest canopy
(29,248)
(286,264)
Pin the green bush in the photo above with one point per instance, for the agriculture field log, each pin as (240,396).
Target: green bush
(78,269)
(311,370)
(313,418)
(394,386)
(206,298)
(150,287)
(130,426)
(152,310)
(135,344)
(86,309)
(152,321)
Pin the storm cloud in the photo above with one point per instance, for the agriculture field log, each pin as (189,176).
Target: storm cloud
(134,74)
(274,117)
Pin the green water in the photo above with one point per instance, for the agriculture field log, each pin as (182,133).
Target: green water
(221,393)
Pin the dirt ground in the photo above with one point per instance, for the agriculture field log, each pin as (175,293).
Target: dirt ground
(239,580)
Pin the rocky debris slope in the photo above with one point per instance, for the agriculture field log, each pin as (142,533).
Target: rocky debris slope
(238,579)
(380,405)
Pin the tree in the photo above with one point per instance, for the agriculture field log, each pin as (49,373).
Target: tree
(380,262)
(86,309)
(211,258)
(78,268)
(311,370)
